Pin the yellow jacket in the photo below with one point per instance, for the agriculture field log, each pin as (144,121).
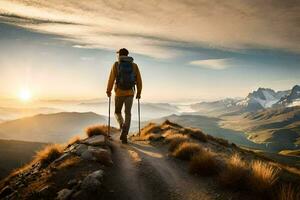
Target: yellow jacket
(118,91)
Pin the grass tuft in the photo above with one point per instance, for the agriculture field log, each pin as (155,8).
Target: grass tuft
(97,130)
(203,163)
(176,141)
(263,176)
(186,150)
(49,154)
(196,134)
(235,175)
(288,192)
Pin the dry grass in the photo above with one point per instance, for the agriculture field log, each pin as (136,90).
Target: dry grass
(73,140)
(235,174)
(195,133)
(288,192)
(186,150)
(172,124)
(97,130)
(203,163)
(176,141)
(49,154)
(170,135)
(263,176)
(150,128)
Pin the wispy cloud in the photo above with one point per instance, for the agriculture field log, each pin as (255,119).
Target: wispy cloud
(216,64)
(149,27)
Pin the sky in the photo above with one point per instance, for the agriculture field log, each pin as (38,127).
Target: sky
(186,50)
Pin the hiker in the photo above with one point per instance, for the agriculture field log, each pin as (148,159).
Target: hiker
(125,74)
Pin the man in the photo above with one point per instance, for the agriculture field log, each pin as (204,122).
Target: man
(125,74)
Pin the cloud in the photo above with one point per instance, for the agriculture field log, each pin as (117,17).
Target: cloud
(216,64)
(153,28)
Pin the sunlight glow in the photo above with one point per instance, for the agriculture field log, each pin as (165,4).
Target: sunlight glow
(25,94)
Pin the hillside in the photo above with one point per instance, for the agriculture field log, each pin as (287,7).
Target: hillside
(58,127)
(280,127)
(210,125)
(14,154)
(11,113)
(167,161)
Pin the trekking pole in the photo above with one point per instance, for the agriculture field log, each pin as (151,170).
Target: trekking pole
(108,128)
(139,112)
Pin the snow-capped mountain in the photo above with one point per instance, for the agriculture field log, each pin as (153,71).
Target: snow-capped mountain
(262,98)
(291,99)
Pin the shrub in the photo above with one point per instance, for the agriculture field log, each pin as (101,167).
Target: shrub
(186,150)
(49,154)
(203,163)
(176,141)
(235,175)
(288,192)
(196,133)
(263,176)
(170,135)
(150,128)
(167,122)
(97,130)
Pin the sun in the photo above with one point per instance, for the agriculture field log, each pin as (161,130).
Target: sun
(25,94)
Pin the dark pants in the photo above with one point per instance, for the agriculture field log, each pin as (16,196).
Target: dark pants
(127,101)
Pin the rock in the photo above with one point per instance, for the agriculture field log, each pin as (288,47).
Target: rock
(92,181)
(80,149)
(72,183)
(102,155)
(87,155)
(62,157)
(64,194)
(97,140)
(6,191)
(98,174)
(79,195)
(45,191)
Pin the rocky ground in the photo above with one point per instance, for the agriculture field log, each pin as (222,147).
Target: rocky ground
(96,168)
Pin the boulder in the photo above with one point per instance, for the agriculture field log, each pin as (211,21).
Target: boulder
(62,157)
(72,183)
(45,191)
(98,174)
(90,183)
(98,140)
(80,149)
(101,155)
(98,154)
(64,194)
(6,191)
(87,155)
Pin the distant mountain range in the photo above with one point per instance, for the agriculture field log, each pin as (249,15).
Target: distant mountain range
(280,127)
(58,127)
(262,98)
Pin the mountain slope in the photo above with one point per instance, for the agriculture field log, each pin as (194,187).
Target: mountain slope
(291,99)
(280,127)
(14,154)
(143,170)
(58,127)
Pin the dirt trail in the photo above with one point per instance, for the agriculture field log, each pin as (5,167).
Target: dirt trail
(144,172)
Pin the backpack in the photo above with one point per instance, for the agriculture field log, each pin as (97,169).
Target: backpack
(126,78)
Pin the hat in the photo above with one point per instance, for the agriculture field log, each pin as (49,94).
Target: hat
(123,52)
